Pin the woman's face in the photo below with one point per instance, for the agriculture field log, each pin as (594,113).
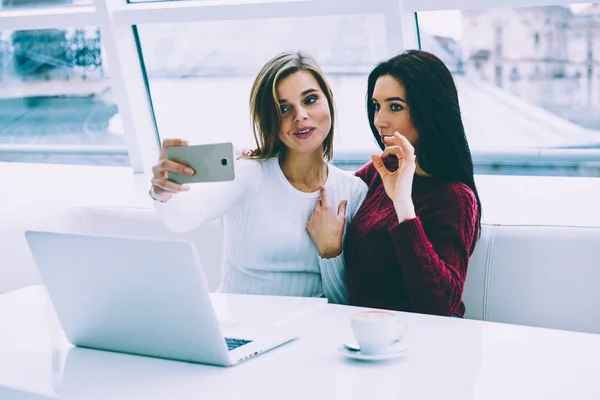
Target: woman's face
(391,109)
(305,116)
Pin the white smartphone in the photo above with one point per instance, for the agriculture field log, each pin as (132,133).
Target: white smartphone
(212,162)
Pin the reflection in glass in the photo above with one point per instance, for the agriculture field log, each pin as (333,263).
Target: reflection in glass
(528,78)
(54,92)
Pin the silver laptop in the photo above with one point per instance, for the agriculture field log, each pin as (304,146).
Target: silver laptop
(138,296)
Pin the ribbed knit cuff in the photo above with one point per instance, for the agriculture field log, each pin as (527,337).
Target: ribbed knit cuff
(333,277)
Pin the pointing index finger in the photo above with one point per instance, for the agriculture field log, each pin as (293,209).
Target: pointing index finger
(323,195)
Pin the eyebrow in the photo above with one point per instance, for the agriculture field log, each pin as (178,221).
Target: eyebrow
(391,99)
(311,90)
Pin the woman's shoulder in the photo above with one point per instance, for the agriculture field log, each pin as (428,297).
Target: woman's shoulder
(348,187)
(448,194)
(256,163)
(452,203)
(366,173)
(458,191)
(346,177)
(248,168)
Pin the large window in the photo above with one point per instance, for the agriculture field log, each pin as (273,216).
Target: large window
(529,84)
(528,77)
(56,102)
(200,74)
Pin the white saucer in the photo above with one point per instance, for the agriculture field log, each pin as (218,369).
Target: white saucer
(395,352)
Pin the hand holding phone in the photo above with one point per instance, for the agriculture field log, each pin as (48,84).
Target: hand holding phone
(162,188)
(179,164)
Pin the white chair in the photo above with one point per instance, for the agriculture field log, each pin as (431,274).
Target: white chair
(544,276)
(17,266)
(143,222)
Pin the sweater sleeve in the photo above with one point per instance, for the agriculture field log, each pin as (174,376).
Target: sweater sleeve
(332,278)
(434,263)
(333,270)
(207,202)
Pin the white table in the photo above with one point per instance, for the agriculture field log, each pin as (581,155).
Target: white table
(448,358)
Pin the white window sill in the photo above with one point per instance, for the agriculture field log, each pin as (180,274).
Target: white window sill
(520,200)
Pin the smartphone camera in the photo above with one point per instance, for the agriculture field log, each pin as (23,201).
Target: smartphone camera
(223,161)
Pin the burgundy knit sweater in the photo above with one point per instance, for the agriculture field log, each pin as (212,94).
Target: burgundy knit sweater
(419,265)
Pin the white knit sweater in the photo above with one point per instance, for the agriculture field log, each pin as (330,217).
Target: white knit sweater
(267,247)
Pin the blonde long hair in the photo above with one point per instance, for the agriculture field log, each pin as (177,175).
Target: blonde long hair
(265,113)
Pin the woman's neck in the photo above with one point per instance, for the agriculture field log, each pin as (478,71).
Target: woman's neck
(306,172)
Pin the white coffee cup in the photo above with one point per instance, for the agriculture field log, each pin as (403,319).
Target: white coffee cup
(377,331)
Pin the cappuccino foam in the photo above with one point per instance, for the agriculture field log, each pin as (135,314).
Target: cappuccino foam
(373,315)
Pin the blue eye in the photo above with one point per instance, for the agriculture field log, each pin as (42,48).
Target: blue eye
(284,109)
(376,106)
(396,107)
(310,100)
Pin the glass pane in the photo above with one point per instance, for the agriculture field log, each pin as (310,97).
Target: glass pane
(12,4)
(56,101)
(200,74)
(528,80)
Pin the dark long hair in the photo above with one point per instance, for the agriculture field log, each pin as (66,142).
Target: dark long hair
(442,150)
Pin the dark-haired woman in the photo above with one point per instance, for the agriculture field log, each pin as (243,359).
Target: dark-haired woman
(409,245)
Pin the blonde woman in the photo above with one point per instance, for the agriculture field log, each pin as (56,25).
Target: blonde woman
(286,211)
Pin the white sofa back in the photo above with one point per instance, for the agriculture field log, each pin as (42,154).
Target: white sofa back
(530,275)
(546,276)
(17,268)
(141,222)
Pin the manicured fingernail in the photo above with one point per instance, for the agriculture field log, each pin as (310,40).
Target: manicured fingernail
(185,187)
(189,171)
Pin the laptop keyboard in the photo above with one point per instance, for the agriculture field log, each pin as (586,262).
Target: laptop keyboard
(233,343)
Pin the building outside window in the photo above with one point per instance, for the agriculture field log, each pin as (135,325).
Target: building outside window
(525,96)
